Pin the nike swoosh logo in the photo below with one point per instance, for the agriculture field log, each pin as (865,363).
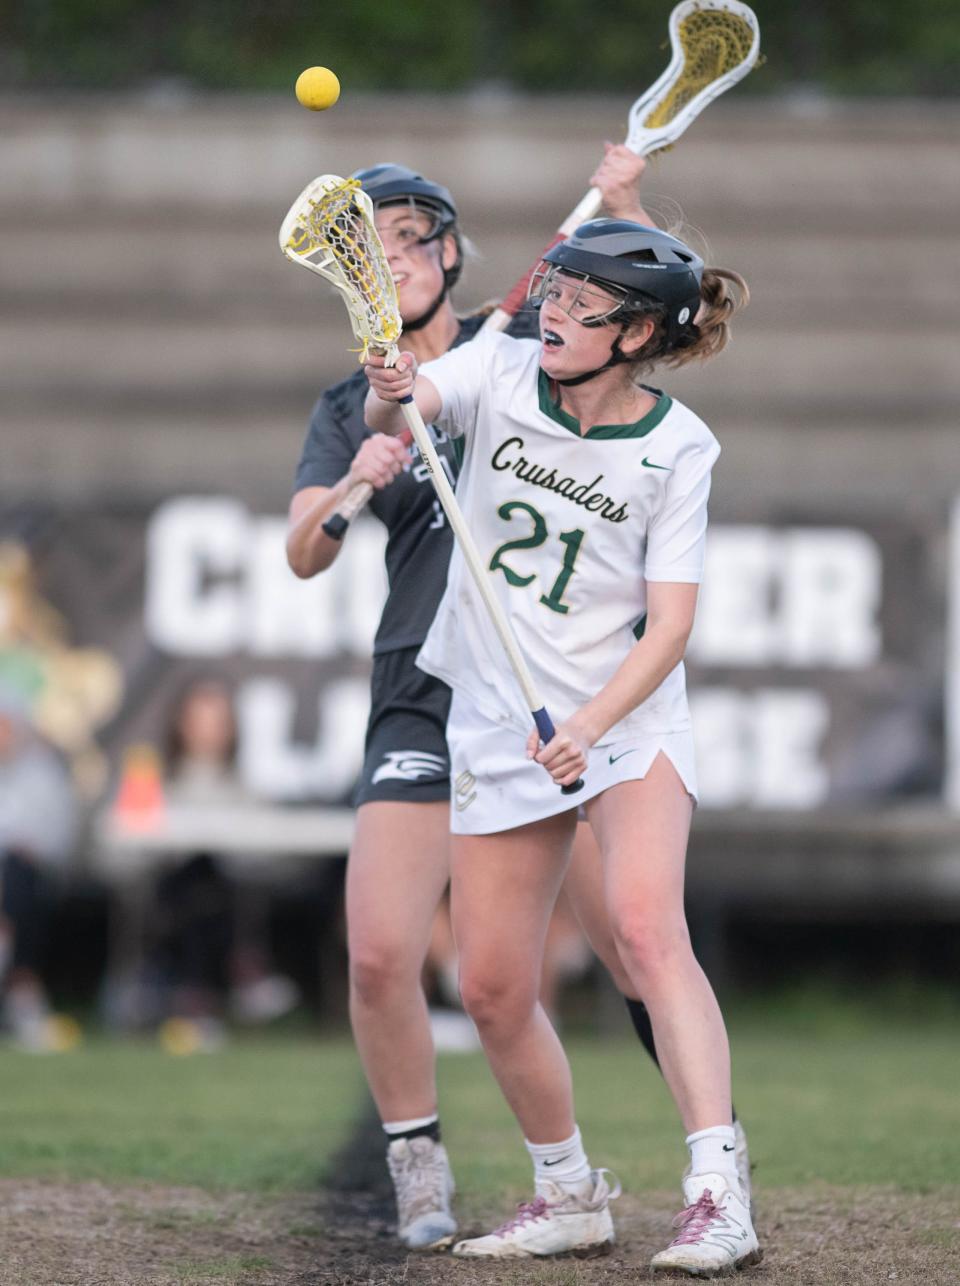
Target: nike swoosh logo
(648,464)
(614,758)
(559,1159)
(727,1147)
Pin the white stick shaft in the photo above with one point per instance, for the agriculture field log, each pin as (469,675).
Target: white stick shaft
(411,414)
(587,209)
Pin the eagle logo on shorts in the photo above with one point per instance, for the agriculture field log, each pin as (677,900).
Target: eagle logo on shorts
(410,765)
(463,790)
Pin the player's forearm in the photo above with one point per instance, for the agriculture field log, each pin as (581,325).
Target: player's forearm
(629,209)
(309,549)
(381,416)
(646,666)
(618,177)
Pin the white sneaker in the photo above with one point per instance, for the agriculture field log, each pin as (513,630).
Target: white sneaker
(742,1158)
(424,1187)
(556,1222)
(716,1235)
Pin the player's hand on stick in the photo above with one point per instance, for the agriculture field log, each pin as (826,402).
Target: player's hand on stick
(378,461)
(618,178)
(565,756)
(391,383)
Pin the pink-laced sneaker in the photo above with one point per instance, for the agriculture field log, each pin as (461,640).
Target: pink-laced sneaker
(716,1235)
(556,1222)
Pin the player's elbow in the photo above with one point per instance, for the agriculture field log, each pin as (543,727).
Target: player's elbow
(303,563)
(299,568)
(298,565)
(671,636)
(670,614)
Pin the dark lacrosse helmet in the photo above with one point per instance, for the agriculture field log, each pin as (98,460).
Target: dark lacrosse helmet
(647,271)
(390,184)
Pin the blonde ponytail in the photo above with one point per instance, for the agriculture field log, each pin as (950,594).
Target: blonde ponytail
(723,293)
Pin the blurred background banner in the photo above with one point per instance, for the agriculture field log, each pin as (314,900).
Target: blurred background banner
(816,667)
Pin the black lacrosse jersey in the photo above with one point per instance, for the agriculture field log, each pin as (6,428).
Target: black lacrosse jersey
(419,539)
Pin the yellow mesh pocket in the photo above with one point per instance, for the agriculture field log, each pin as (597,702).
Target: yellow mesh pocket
(336,225)
(714,42)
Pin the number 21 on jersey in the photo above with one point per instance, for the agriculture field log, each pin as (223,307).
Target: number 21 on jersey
(538,536)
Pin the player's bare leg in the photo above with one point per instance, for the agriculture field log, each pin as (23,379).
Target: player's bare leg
(642,829)
(503,891)
(584,886)
(398,847)
(502,894)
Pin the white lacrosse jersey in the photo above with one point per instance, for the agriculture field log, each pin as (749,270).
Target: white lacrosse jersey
(570,530)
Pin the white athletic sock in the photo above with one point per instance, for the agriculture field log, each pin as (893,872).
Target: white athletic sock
(415,1123)
(564,1163)
(712,1151)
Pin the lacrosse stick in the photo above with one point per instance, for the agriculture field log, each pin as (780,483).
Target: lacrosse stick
(330,230)
(715,43)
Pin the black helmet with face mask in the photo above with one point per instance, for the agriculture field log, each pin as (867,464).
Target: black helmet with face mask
(390,184)
(648,273)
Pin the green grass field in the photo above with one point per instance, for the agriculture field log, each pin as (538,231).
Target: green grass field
(830,1092)
(140,1168)
(262,1115)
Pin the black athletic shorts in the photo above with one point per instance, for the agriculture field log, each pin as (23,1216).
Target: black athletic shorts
(405,757)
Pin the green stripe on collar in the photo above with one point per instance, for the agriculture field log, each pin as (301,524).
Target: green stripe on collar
(639,429)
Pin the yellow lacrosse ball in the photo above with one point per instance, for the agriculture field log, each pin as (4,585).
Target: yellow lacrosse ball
(317,88)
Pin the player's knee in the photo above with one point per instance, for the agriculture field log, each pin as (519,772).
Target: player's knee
(498,1002)
(604,947)
(648,946)
(377,973)
(618,973)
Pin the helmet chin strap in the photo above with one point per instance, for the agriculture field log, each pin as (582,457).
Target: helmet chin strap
(429,315)
(617,356)
(450,276)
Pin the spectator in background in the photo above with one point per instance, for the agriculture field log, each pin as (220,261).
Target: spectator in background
(37,831)
(210,954)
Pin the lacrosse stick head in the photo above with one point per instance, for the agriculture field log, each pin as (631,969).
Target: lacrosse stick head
(330,230)
(714,44)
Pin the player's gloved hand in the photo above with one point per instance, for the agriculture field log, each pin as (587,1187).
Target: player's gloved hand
(378,461)
(391,383)
(618,178)
(565,757)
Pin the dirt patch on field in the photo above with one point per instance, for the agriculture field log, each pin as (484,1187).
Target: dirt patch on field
(88,1234)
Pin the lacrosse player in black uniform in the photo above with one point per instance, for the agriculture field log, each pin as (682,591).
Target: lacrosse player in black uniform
(398,867)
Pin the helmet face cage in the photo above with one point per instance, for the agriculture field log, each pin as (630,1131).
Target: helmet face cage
(389,184)
(659,275)
(587,300)
(440,220)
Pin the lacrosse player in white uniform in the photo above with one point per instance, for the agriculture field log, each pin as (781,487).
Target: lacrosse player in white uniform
(586,492)
(399,860)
